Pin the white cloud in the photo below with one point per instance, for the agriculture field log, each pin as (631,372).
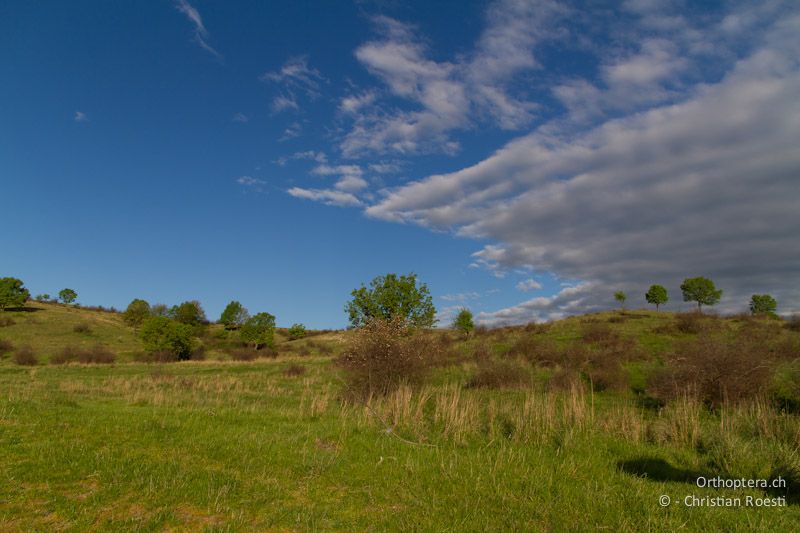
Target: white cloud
(450,95)
(351,183)
(313,155)
(200,32)
(295,76)
(293,130)
(284,102)
(460,297)
(529,284)
(80,116)
(705,184)
(326,196)
(240,117)
(356,102)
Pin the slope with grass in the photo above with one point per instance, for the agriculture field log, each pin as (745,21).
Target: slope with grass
(543,427)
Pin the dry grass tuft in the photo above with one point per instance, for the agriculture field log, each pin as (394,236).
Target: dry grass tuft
(6,321)
(294,370)
(497,374)
(82,327)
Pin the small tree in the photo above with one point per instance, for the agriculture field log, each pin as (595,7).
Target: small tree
(42,297)
(463,322)
(700,290)
(297,331)
(137,312)
(67,295)
(763,304)
(620,297)
(190,313)
(656,295)
(259,330)
(13,293)
(159,310)
(161,334)
(234,315)
(392,296)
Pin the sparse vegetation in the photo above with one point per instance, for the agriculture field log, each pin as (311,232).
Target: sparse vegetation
(25,356)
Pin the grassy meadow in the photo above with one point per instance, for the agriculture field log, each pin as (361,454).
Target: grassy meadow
(542,428)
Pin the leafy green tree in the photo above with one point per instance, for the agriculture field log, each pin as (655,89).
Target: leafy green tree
(621,297)
(463,322)
(67,295)
(13,293)
(297,331)
(656,295)
(392,296)
(42,297)
(159,310)
(162,334)
(700,290)
(234,315)
(190,313)
(259,330)
(763,304)
(137,312)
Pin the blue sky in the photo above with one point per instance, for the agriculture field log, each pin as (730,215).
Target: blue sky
(525,158)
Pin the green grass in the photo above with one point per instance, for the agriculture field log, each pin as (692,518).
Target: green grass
(226,446)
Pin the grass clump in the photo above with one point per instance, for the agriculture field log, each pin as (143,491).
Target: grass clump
(500,373)
(294,370)
(6,321)
(82,327)
(5,346)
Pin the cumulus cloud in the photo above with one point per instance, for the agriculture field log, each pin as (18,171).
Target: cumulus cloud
(326,196)
(705,183)
(200,32)
(449,95)
(80,116)
(529,284)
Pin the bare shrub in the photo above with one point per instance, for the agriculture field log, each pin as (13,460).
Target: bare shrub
(500,373)
(294,370)
(199,353)
(598,332)
(6,321)
(539,351)
(384,354)
(695,322)
(5,346)
(715,369)
(97,354)
(325,349)
(83,327)
(481,351)
(617,319)
(25,356)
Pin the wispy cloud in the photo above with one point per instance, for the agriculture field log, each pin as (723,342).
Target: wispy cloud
(80,116)
(293,130)
(240,117)
(293,78)
(200,32)
(326,196)
(251,183)
(460,297)
(312,155)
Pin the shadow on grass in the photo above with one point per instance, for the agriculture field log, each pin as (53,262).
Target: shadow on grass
(22,309)
(657,469)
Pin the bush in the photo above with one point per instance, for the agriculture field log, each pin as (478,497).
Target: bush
(6,321)
(383,354)
(785,387)
(496,374)
(694,323)
(717,370)
(83,327)
(137,312)
(25,356)
(297,331)
(160,334)
(97,354)
(5,346)
(259,330)
(793,323)
(244,355)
